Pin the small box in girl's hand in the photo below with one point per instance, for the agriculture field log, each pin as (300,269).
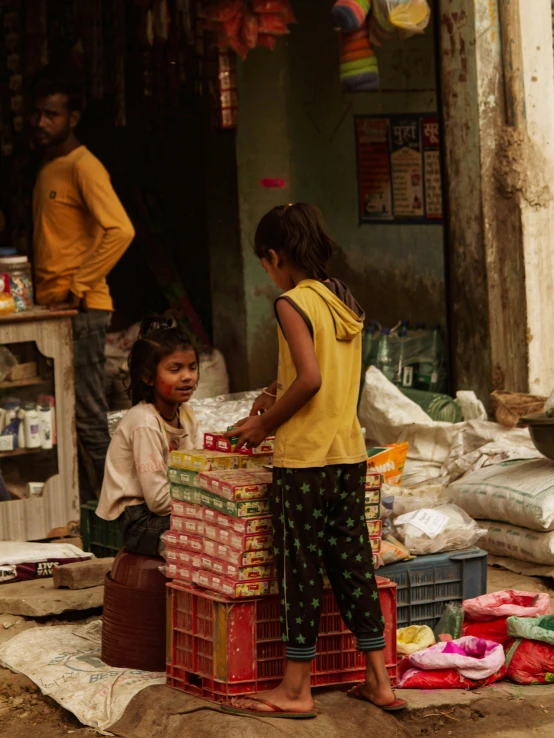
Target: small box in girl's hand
(219,442)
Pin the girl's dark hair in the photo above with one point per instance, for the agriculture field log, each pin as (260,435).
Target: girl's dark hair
(159,337)
(299,232)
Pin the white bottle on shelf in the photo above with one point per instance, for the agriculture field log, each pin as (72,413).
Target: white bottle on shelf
(21,430)
(45,421)
(32,427)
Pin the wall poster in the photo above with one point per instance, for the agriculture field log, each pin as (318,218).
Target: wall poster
(399,168)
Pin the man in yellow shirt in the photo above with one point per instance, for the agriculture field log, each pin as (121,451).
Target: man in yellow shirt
(80,232)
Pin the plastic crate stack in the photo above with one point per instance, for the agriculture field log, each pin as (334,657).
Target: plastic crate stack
(373,485)
(221,533)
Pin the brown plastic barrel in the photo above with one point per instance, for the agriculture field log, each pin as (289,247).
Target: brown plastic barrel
(133,630)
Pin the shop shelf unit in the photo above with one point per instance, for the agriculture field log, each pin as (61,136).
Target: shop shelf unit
(219,648)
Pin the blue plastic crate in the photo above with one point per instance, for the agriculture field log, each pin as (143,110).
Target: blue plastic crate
(427,583)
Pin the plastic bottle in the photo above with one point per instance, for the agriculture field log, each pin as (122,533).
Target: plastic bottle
(367,342)
(431,375)
(45,424)
(32,427)
(21,429)
(385,361)
(11,406)
(404,375)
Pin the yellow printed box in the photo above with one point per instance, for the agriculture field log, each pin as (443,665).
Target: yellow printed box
(372,512)
(232,589)
(202,460)
(374,528)
(372,496)
(373,481)
(219,442)
(237,484)
(376,544)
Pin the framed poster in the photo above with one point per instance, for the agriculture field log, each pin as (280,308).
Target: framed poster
(399,168)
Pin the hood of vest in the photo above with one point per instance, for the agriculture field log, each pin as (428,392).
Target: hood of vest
(347,324)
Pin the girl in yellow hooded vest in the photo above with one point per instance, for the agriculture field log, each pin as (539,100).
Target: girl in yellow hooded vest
(320,462)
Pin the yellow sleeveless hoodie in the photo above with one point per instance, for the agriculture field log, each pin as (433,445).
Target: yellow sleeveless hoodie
(326,431)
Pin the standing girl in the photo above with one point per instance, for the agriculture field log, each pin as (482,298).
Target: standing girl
(320,462)
(163,374)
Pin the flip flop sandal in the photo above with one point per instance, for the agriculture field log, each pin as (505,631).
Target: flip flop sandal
(275,712)
(396,706)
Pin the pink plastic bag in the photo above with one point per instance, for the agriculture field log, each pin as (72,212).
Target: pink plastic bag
(472,658)
(505,604)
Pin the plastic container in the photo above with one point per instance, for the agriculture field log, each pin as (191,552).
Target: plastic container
(385,361)
(21,280)
(205,628)
(438,407)
(138,572)
(427,584)
(431,370)
(100,537)
(32,427)
(45,418)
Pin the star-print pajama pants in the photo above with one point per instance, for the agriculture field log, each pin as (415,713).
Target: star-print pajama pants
(319,524)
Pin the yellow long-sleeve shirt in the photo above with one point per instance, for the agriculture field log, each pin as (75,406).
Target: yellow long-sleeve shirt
(80,230)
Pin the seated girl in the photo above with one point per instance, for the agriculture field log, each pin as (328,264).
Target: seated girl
(163,374)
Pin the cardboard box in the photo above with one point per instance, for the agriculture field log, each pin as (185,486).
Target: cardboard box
(242,509)
(372,496)
(180,572)
(376,544)
(182,476)
(185,558)
(183,541)
(237,573)
(373,481)
(237,484)
(236,590)
(187,525)
(185,494)
(187,510)
(199,460)
(226,553)
(372,512)
(374,528)
(218,442)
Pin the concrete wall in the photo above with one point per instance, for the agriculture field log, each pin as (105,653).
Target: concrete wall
(296,123)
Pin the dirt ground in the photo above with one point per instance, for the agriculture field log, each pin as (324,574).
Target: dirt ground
(505,711)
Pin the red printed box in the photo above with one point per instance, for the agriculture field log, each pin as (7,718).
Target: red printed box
(186,510)
(236,590)
(242,526)
(187,525)
(256,542)
(376,544)
(372,512)
(218,442)
(180,573)
(374,527)
(184,558)
(372,496)
(374,481)
(237,573)
(237,485)
(245,558)
(183,541)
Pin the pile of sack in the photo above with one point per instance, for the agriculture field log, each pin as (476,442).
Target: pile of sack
(514,503)
(504,634)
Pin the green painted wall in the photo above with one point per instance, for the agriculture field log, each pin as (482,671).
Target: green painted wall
(296,123)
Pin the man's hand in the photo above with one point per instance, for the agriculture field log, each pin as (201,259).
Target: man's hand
(72,302)
(250,431)
(262,404)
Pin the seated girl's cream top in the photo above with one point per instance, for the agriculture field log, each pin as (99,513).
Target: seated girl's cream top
(138,457)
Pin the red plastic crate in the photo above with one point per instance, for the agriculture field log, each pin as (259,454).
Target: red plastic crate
(219,648)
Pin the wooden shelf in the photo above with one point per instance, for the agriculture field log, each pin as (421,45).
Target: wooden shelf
(22,452)
(31,382)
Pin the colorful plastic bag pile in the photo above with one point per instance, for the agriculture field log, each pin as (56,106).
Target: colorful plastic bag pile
(242,25)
